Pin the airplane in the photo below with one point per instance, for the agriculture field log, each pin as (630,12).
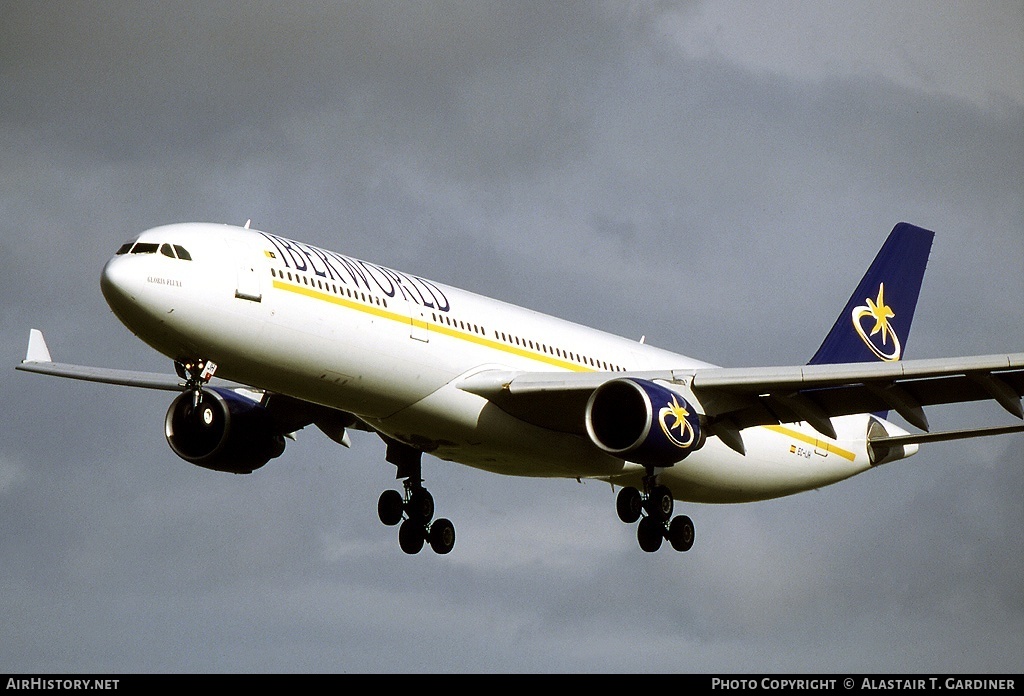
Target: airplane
(269,335)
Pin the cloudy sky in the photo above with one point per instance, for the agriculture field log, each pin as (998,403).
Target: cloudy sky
(715,176)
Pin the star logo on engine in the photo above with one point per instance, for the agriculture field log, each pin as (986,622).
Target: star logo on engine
(679,416)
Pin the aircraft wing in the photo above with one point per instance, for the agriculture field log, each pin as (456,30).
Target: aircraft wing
(736,398)
(288,414)
(38,360)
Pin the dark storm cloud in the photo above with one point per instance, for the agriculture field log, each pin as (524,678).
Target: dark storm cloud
(130,81)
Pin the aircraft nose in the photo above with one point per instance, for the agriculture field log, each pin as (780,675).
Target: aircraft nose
(117,284)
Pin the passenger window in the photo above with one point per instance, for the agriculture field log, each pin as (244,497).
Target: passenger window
(182,254)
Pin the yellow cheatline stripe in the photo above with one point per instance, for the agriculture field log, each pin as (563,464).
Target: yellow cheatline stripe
(429,326)
(317,295)
(512,350)
(820,444)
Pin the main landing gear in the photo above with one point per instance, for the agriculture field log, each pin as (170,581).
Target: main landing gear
(416,506)
(656,501)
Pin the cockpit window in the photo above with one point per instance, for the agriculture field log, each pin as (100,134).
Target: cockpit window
(169,250)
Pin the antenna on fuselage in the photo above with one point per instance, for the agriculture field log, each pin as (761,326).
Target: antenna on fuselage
(247,223)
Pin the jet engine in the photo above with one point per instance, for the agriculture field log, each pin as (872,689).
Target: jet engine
(643,422)
(224,432)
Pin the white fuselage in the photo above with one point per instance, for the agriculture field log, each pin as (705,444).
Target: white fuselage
(389,347)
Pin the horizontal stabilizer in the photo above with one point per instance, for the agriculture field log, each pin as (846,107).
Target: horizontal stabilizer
(889,441)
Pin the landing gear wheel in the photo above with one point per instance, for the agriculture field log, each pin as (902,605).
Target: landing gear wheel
(207,415)
(415,504)
(649,533)
(421,505)
(680,533)
(660,503)
(410,536)
(441,536)
(628,504)
(202,414)
(389,507)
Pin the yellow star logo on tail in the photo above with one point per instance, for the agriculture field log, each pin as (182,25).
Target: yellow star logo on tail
(882,313)
(878,310)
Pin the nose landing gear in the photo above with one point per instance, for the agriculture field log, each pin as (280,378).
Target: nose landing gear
(196,373)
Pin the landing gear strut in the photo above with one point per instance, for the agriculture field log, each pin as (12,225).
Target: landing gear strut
(413,511)
(656,501)
(197,373)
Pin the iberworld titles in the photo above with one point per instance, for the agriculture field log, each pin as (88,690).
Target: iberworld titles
(305,258)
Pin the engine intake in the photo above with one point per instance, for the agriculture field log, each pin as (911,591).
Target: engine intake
(225,432)
(643,422)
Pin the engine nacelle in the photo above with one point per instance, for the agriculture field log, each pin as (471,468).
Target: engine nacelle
(643,422)
(225,432)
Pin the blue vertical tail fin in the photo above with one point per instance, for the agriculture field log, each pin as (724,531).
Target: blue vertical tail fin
(876,321)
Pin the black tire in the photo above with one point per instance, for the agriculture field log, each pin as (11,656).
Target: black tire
(410,536)
(660,503)
(629,504)
(680,533)
(389,507)
(421,505)
(203,415)
(649,533)
(207,415)
(442,536)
